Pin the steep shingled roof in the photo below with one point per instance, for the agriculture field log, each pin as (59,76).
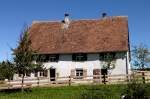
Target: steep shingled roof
(82,36)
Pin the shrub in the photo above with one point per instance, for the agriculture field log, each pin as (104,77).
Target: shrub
(135,90)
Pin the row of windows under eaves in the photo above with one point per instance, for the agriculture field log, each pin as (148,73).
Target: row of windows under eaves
(79,57)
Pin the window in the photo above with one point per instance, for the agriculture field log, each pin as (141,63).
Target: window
(36,74)
(79,73)
(28,74)
(121,55)
(48,57)
(43,73)
(41,58)
(79,57)
(107,56)
(54,58)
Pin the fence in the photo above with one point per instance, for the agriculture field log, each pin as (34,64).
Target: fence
(68,81)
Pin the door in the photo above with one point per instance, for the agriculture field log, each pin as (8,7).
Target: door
(103,71)
(104,77)
(52,74)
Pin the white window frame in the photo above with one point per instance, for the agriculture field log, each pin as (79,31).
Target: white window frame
(80,73)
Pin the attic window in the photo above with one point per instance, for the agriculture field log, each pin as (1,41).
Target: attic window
(54,58)
(48,58)
(79,57)
(107,56)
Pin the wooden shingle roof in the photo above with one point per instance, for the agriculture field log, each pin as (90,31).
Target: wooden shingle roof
(82,36)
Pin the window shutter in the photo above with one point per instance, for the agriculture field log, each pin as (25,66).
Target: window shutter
(84,73)
(96,72)
(72,73)
(45,73)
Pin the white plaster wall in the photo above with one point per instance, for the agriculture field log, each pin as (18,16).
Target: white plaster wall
(129,65)
(65,64)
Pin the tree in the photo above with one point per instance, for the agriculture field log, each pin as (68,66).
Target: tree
(109,62)
(141,58)
(7,70)
(23,56)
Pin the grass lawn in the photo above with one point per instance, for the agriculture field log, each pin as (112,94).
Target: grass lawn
(73,92)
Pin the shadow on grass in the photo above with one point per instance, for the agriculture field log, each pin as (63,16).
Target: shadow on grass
(15,90)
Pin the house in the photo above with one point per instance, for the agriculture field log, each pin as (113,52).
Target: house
(80,48)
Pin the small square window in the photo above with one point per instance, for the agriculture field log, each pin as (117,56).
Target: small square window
(36,74)
(79,57)
(41,74)
(54,58)
(48,57)
(79,73)
(107,56)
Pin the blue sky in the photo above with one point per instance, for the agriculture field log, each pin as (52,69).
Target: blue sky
(15,13)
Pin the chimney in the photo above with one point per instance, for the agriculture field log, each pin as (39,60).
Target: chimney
(104,15)
(66,21)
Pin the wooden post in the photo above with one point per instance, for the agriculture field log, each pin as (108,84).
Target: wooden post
(99,79)
(69,81)
(104,79)
(143,77)
(8,83)
(108,79)
(38,81)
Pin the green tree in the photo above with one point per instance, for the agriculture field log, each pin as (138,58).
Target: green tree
(23,56)
(141,58)
(7,70)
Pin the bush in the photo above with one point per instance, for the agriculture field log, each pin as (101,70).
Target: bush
(136,90)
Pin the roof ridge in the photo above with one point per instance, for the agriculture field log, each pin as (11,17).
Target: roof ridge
(44,21)
(108,17)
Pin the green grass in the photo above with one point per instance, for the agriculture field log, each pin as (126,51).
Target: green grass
(73,92)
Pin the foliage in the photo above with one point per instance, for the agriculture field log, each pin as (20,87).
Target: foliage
(109,62)
(23,55)
(141,56)
(136,90)
(7,70)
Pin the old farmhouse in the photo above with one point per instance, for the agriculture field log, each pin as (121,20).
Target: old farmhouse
(80,48)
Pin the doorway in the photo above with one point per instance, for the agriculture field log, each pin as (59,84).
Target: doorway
(104,72)
(52,74)
(104,75)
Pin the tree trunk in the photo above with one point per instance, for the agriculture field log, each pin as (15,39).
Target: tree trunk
(38,81)
(143,75)
(22,88)
(9,83)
